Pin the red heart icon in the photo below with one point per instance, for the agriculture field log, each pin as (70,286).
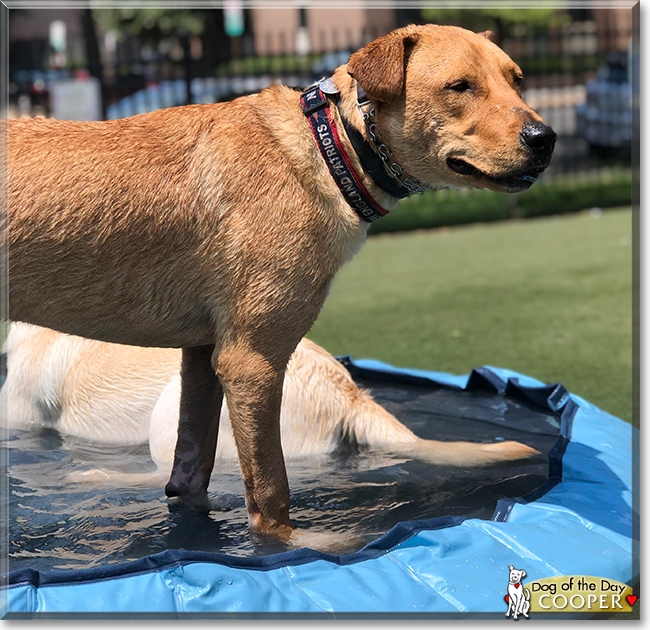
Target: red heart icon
(631,599)
(507,598)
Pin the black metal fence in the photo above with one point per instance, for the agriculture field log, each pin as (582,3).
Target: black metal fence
(576,77)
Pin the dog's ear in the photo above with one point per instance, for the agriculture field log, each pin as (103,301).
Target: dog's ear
(510,567)
(488,35)
(523,573)
(380,66)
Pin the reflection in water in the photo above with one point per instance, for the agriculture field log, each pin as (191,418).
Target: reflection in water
(352,497)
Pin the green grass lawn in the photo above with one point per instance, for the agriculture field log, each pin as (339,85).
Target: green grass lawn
(551,298)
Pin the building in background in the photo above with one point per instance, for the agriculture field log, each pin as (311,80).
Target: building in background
(45,37)
(614,28)
(303,30)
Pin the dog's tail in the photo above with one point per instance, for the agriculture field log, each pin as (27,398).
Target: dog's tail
(374,427)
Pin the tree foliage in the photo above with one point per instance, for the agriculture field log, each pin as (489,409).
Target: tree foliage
(152,24)
(498,19)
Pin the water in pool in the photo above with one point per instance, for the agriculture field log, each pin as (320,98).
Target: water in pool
(357,496)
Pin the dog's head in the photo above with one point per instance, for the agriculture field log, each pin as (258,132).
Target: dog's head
(449,106)
(516,575)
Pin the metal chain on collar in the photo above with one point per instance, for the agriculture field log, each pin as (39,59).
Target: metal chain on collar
(386,155)
(411,184)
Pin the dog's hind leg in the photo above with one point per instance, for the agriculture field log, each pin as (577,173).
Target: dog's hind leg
(200,407)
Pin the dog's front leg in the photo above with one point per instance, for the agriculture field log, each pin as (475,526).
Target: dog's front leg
(252,382)
(200,407)
(516,607)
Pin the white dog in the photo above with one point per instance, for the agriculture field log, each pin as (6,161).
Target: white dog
(518,596)
(119,394)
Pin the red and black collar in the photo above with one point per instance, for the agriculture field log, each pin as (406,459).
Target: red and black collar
(377,163)
(315,106)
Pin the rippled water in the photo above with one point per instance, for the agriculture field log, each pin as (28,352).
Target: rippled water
(353,497)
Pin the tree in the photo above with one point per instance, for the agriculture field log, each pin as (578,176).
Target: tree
(93,55)
(502,22)
(151,26)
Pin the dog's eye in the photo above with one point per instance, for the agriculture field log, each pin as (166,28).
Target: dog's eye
(461,86)
(518,81)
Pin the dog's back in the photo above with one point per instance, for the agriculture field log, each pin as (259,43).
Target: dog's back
(94,390)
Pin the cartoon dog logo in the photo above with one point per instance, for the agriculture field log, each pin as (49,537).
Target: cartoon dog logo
(518,597)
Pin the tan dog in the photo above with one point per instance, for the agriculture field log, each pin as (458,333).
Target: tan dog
(219,228)
(112,393)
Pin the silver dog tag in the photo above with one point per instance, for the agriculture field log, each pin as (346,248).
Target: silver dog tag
(327,86)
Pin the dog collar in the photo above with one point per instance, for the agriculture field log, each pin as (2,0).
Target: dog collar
(372,164)
(377,163)
(315,106)
(383,160)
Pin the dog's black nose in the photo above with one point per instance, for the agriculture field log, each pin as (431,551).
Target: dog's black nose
(538,137)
